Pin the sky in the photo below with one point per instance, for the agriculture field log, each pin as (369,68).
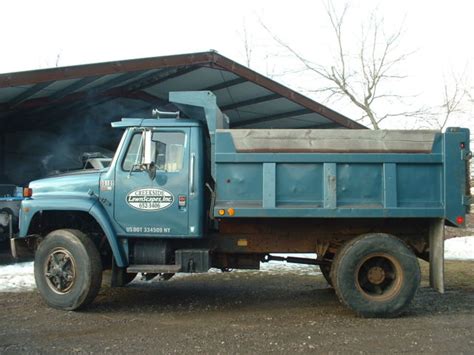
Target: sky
(438,34)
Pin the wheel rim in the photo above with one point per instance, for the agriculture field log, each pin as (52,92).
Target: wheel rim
(379,277)
(60,271)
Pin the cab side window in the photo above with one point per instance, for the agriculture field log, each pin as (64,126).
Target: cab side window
(169,151)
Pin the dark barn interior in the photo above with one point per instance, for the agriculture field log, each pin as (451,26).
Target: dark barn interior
(50,117)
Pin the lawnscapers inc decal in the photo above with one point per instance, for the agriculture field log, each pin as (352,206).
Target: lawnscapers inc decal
(149,199)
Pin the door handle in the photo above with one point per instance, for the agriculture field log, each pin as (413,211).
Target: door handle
(191,174)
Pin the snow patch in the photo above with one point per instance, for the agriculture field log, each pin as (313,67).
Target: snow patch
(19,277)
(459,248)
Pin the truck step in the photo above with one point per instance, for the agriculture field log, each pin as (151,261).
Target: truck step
(154,268)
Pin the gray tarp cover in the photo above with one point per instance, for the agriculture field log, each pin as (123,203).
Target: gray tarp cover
(332,140)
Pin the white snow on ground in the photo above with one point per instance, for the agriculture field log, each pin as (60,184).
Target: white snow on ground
(459,248)
(19,277)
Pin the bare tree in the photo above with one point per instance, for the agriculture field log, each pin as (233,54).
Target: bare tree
(454,96)
(247,45)
(362,76)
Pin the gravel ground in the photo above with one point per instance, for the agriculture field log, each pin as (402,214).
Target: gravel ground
(241,312)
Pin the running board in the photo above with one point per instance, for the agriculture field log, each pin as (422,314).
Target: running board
(155,269)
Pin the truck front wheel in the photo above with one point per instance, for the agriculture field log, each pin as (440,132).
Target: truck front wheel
(68,269)
(376,275)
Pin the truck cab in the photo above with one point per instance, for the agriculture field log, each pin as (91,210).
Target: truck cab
(158,168)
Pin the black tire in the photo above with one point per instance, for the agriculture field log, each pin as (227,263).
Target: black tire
(376,275)
(68,269)
(326,271)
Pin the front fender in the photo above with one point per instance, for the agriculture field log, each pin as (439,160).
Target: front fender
(30,207)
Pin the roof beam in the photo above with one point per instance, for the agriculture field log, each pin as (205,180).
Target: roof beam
(127,90)
(226,84)
(105,93)
(27,94)
(73,87)
(157,78)
(278,116)
(109,85)
(98,94)
(254,101)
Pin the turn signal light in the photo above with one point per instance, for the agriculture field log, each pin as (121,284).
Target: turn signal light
(231,211)
(27,192)
(221,212)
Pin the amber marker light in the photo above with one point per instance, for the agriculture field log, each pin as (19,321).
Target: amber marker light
(231,211)
(221,212)
(27,192)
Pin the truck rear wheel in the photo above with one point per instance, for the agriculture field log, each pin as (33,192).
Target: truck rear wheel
(376,275)
(68,269)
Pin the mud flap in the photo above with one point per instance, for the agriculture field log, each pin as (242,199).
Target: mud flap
(437,255)
(118,278)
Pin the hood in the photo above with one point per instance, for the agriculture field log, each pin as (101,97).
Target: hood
(76,183)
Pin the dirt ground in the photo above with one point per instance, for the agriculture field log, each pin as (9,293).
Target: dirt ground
(240,312)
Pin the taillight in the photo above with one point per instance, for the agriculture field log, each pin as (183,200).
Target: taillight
(27,192)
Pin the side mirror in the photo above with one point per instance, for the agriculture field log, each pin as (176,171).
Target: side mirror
(147,148)
(148,161)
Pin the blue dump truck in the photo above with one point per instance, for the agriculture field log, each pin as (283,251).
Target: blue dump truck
(186,194)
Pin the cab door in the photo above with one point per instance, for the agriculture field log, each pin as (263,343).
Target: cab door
(154,204)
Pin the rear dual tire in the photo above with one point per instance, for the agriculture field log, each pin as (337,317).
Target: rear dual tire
(375,275)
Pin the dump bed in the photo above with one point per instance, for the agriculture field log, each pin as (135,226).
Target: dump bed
(342,173)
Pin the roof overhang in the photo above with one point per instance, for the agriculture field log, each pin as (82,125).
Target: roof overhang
(41,98)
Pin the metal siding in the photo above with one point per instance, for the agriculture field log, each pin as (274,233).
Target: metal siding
(299,184)
(359,185)
(239,183)
(419,185)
